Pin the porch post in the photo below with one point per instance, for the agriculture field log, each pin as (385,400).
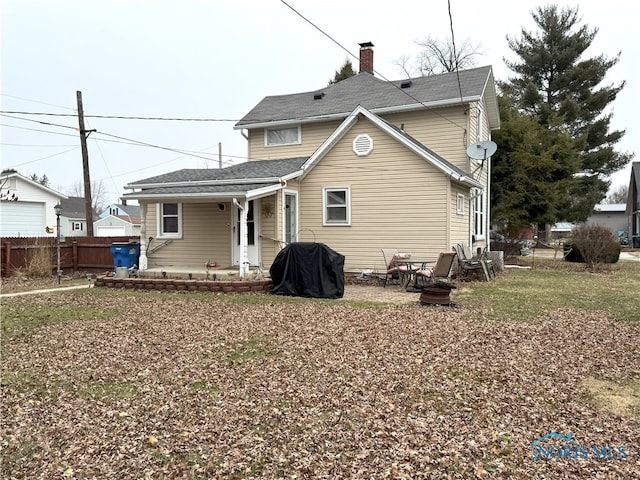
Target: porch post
(143,236)
(244,239)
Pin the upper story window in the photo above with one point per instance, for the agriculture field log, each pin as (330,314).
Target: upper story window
(337,206)
(113,211)
(169,220)
(282,136)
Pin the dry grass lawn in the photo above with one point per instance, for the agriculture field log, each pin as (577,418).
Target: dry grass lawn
(191,386)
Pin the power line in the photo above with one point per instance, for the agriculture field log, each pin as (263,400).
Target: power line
(404,91)
(453,42)
(44,158)
(36,101)
(123,117)
(38,130)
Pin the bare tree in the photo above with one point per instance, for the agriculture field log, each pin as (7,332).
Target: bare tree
(98,194)
(619,195)
(439,56)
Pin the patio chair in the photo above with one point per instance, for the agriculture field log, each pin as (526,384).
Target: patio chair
(440,270)
(393,269)
(468,265)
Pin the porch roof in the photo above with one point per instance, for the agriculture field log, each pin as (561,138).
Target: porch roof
(248,180)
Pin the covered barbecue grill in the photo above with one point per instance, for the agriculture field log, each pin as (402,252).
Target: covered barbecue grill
(308,269)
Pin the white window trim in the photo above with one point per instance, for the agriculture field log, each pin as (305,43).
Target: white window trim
(479,209)
(266,136)
(460,204)
(346,223)
(159,233)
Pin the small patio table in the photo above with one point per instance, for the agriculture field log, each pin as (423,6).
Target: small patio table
(412,268)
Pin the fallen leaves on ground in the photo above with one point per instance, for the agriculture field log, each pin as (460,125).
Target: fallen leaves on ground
(181,388)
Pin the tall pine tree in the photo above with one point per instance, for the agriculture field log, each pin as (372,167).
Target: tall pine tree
(564,93)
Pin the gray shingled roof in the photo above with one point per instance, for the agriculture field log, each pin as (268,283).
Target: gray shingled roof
(370,92)
(241,171)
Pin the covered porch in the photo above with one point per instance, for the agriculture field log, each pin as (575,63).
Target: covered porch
(228,223)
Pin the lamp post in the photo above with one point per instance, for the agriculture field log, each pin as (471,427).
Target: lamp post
(58,210)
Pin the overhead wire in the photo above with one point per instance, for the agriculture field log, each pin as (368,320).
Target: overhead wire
(453,43)
(122,117)
(375,71)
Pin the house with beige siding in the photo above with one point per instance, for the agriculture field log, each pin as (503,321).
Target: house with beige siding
(359,165)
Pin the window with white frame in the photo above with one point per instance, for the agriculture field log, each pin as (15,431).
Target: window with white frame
(337,208)
(460,204)
(113,211)
(169,220)
(479,215)
(282,136)
(76,226)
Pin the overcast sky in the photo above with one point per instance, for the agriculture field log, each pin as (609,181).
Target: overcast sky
(217,59)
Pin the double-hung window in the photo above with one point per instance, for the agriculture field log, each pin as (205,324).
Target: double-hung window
(169,220)
(337,206)
(282,136)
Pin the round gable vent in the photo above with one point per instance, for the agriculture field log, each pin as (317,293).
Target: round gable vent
(362,145)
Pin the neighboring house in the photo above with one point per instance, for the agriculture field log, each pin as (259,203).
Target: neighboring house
(27,207)
(73,221)
(360,165)
(612,216)
(633,205)
(118,220)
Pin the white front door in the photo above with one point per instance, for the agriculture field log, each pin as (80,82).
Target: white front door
(252,234)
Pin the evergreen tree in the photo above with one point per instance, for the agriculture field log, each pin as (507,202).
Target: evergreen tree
(530,169)
(345,71)
(562,91)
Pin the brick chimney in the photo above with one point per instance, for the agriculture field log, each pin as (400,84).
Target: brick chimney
(366,57)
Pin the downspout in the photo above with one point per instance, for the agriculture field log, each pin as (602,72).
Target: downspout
(143,263)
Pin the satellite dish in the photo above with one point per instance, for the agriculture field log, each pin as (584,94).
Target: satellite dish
(482,150)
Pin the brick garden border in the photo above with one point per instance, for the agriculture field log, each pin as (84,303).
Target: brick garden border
(178,285)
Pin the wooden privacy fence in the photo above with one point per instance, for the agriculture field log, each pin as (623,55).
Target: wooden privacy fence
(91,254)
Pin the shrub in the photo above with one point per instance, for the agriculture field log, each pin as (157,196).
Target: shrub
(40,261)
(592,245)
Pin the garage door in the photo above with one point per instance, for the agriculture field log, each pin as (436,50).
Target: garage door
(22,219)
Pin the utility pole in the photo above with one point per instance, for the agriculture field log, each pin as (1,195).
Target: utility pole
(85,166)
(219,154)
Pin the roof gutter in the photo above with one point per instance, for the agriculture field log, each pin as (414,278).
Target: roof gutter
(226,181)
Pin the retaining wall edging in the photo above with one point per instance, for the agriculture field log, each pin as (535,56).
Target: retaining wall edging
(161,284)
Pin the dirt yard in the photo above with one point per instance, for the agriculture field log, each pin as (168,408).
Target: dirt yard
(168,386)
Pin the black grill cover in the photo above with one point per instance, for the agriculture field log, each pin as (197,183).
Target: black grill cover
(308,269)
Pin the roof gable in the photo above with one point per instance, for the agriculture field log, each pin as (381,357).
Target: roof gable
(377,96)
(411,143)
(22,178)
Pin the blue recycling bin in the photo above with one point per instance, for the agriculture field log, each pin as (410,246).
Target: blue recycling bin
(125,254)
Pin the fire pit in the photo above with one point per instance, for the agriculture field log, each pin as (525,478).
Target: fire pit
(437,294)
